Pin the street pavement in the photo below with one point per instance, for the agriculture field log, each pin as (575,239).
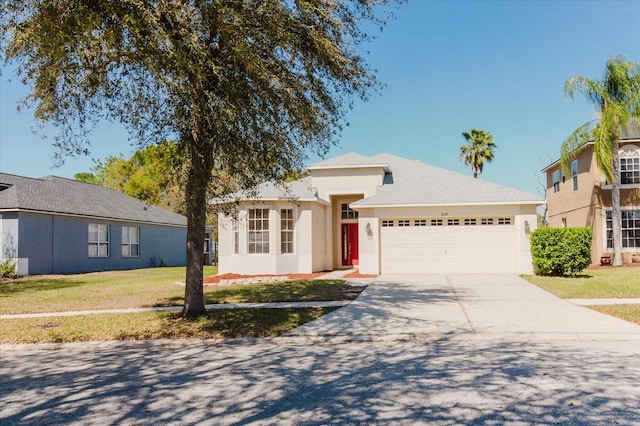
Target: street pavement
(473,349)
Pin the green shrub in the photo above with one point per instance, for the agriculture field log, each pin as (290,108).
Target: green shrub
(8,269)
(561,251)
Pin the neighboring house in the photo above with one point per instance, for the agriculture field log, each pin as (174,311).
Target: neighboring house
(56,225)
(584,198)
(382,214)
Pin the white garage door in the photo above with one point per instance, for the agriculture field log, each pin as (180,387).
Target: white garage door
(448,249)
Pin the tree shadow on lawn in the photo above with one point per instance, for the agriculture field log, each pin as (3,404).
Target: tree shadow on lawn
(25,285)
(451,382)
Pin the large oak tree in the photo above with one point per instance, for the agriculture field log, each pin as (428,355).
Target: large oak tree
(245,87)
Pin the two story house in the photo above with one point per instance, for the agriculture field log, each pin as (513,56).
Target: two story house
(584,197)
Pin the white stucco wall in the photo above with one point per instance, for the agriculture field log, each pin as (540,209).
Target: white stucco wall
(309,248)
(347,181)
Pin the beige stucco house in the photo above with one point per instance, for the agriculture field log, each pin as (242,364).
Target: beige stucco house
(584,198)
(381,214)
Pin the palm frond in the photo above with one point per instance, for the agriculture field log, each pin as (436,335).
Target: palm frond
(590,89)
(574,142)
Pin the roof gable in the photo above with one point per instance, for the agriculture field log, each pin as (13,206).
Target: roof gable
(52,194)
(416,183)
(348,160)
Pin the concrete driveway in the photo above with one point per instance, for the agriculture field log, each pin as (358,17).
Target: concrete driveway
(464,306)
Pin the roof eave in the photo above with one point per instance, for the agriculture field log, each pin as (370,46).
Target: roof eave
(540,202)
(115,219)
(383,166)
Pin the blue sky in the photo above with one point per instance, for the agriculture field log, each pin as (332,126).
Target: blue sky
(448,67)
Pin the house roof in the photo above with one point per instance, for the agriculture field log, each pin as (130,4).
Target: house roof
(414,183)
(299,190)
(52,194)
(350,160)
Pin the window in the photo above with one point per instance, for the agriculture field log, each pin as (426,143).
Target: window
(348,212)
(630,229)
(486,221)
(574,174)
(436,222)
(207,243)
(98,240)
(387,223)
(564,222)
(236,236)
(130,241)
(403,222)
(453,222)
(556,181)
(469,221)
(420,222)
(258,231)
(630,165)
(504,221)
(286,230)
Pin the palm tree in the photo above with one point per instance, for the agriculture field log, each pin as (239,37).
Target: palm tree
(477,150)
(616,99)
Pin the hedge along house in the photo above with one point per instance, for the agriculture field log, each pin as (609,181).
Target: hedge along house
(382,214)
(56,225)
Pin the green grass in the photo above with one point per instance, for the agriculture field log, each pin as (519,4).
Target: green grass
(593,284)
(157,325)
(626,312)
(146,288)
(607,283)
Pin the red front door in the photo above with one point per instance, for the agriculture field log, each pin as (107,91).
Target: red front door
(349,244)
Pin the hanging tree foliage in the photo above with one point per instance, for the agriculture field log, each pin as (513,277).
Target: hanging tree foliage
(245,87)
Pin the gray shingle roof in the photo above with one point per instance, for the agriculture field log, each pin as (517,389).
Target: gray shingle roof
(54,194)
(420,184)
(299,190)
(350,159)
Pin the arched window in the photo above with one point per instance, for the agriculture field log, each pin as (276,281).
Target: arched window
(629,165)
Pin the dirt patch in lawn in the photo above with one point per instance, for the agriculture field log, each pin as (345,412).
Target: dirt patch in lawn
(357,274)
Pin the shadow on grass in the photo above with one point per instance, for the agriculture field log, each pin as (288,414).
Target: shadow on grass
(13,287)
(223,323)
(287,291)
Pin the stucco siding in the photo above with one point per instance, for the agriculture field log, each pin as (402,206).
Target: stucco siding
(347,181)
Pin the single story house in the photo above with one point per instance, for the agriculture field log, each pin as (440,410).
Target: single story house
(55,225)
(381,214)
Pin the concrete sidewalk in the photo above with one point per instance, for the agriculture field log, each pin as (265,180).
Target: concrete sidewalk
(470,306)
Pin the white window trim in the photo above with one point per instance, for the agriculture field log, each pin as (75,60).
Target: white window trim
(294,218)
(122,243)
(629,151)
(98,242)
(574,178)
(246,233)
(555,179)
(606,249)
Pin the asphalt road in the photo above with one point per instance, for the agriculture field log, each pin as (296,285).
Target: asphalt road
(436,350)
(457,382)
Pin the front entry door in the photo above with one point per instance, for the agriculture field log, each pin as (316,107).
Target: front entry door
(349,244)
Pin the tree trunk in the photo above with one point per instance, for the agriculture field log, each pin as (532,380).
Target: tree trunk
(616,215)
(196,197)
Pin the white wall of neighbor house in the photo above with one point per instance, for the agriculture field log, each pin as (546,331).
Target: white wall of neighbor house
(446,249)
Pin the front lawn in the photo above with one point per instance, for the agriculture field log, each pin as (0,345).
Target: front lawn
(156,325)
(148,288)
(606,283)
(144,288)
(603,283)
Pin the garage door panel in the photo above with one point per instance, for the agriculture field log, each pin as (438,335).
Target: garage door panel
(448,249)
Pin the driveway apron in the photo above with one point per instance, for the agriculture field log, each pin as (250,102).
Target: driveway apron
(467,307)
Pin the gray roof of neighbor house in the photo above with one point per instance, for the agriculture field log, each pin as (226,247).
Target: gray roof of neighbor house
(414,183)
(56,195)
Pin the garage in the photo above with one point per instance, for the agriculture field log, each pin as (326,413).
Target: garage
(455,245)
